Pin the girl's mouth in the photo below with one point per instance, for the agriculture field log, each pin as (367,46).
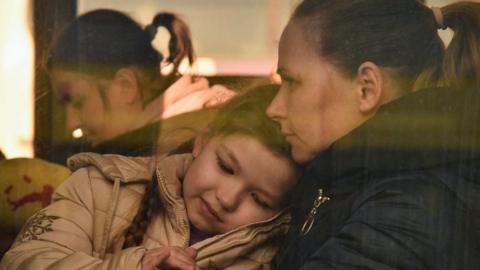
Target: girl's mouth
(209,211)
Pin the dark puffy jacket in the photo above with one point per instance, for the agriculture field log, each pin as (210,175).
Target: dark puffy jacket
(404,191)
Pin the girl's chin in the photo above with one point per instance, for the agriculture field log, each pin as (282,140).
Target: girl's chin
(200,222)
(201,227)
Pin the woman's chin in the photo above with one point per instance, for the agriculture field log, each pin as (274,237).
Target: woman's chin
(300,155)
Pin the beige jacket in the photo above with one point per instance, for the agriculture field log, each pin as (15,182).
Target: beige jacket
(84,226)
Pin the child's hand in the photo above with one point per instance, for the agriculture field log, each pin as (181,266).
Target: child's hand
(170,258)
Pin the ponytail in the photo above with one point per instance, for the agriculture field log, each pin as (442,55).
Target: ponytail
(150,206)
(180,44)
(102,41)
(461,64)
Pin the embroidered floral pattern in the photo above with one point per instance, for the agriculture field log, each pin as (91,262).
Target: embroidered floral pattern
(35,226)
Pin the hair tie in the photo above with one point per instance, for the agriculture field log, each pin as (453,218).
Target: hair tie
(151,31)
(437,13)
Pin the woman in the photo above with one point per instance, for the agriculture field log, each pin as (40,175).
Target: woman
(392,176)
(106,72)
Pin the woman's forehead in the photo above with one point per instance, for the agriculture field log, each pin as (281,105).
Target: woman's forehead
(294,47)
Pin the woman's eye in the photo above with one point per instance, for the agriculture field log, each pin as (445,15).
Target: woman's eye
(260,202)
(224,167)
(288,82)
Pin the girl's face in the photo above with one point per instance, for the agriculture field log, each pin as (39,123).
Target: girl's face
(316,104)
(86,108)
(234,180)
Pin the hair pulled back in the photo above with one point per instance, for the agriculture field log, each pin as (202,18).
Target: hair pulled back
(244,114)
(398,34)
(102,41)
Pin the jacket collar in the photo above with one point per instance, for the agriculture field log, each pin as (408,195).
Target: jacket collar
(422,130)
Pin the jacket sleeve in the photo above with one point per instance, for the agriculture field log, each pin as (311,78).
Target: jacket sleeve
(403,224)
(60,236)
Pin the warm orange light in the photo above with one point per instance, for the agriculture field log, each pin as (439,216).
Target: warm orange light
(16,79)
(77,133)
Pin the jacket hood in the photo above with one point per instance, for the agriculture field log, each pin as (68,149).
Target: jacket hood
(115,167)
(169,170)
(132,169)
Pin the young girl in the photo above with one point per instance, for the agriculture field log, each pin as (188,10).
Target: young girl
(222,206)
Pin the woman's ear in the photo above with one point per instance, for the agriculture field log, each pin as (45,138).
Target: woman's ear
(371,82)
(127,85)
(198,144)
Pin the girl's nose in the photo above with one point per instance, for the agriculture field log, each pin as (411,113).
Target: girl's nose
(73,119)
(229,195)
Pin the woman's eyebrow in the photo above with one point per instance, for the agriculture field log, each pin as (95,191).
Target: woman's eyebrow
(282,72)
(285,74)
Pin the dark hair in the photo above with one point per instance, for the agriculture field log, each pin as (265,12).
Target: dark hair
(102,41)
(244,114)
(400,34)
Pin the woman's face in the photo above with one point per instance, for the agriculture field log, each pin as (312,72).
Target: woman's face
(316,104)
(85,107)
(234,181)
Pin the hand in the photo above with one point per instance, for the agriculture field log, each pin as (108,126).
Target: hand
(200,99)
(170,258)
(180,89)
(183,87)
(218,94)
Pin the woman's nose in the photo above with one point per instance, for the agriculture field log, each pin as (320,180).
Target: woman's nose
(276,109)
(72,119)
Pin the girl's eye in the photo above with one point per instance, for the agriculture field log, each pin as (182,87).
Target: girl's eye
(224,167)
(260,202)
(64,98)
(77,104)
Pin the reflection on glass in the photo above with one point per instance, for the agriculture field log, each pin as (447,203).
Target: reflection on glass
(16,79)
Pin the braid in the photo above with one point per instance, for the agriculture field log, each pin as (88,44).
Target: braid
(149,207)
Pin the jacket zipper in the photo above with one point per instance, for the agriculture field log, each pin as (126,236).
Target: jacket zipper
(307,225)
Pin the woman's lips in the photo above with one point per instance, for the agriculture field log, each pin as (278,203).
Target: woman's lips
(209,212)
(286,132)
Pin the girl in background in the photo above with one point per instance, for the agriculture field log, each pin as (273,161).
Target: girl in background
(105,71)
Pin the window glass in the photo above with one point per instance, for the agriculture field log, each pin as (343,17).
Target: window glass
(236,36)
